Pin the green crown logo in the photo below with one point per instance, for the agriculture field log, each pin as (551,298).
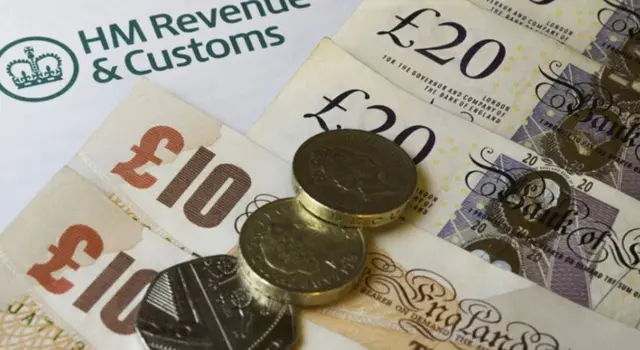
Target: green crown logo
(28,72)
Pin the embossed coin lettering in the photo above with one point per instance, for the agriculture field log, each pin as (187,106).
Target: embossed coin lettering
(353,178)
(288,254)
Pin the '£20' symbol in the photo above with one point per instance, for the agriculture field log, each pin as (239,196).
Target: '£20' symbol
(388,123)
(442,59)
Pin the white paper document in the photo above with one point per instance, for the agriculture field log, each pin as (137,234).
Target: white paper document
(64,66)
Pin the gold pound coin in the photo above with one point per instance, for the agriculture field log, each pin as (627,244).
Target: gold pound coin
(353,178)
(291,256)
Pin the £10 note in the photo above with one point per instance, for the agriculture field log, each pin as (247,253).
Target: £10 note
(507,79)
(514,208)
(603,30)
(88,263)
(84,260)
(188,178)
(180,171)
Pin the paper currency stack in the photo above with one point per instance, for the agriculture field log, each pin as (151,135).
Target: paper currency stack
(437,175)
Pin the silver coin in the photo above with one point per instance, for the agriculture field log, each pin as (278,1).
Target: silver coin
(201,304)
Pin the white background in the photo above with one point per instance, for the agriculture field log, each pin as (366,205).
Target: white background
(36,139)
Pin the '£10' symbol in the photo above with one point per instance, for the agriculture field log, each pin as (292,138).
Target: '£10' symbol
(63,256)
(112,313)
(227,182)
(145,153)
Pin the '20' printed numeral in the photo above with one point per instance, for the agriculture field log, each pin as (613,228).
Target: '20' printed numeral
(388,122)
(461,35)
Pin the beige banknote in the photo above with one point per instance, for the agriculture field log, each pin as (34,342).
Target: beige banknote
(370,322)
(188,178)
(571,234)
(84,260)
(179,171)
(603,30)
(519,84)
(88,263)
(420,293)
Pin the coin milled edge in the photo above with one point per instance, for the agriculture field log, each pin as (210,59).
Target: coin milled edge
(343,219)
(265,289)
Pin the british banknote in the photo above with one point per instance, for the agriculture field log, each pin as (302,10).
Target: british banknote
(420,293)
(188,178)
(88,262)
(437,304)
(512,81)
(606,31)
(84,260)
(569,233)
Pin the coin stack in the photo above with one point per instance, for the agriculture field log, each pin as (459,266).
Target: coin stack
(304,251)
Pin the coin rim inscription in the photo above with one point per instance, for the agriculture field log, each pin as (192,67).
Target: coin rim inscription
(254,279)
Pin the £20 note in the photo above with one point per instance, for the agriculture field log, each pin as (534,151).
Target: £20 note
(512,81)
(603,30)
(572,234)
